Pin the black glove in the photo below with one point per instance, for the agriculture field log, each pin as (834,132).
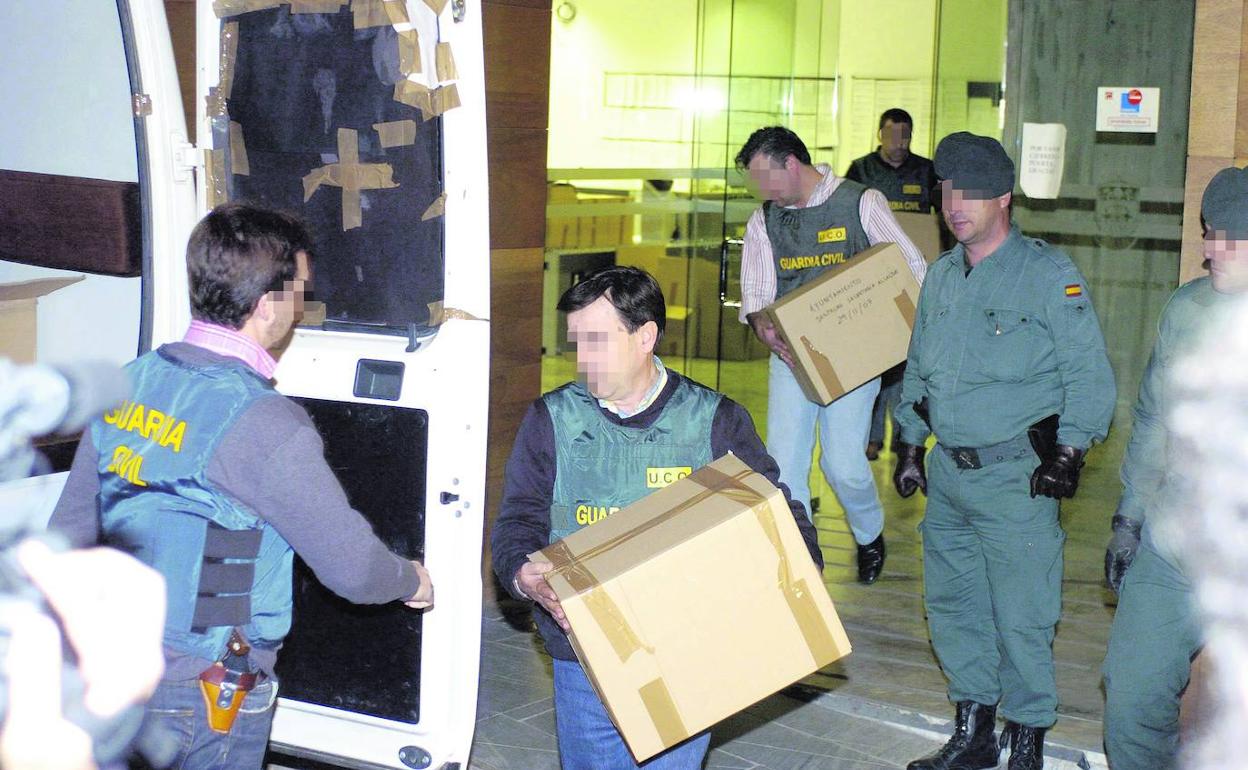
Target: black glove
(1058,475)
(909,474)
(1121,550)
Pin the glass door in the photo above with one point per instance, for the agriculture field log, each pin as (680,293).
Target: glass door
(765,63)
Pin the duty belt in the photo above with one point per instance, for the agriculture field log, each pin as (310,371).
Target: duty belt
(974,458)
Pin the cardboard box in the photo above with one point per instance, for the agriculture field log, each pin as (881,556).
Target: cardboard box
(693,603)
(924,232)
(19,316)
(851,324)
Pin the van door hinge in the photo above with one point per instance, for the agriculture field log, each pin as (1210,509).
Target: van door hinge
(186,158)
(141,105)
(459,9)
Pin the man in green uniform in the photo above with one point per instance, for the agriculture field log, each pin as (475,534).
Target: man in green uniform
(1007,366)
(1156,632)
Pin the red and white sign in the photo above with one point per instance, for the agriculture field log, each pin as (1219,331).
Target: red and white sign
(1129,109)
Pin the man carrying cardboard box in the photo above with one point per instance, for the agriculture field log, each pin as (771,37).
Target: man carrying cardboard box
(909,182)
(587,449)
(810,221)
(1007,366)
(1156,630)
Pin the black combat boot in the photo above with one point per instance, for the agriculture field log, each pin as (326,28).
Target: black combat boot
(973,745)
(1028,746)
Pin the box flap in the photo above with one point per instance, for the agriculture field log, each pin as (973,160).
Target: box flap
(10,292)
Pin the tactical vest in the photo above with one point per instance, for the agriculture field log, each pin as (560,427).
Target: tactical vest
(223,566)
(907,188)
(601,467)
(806,243)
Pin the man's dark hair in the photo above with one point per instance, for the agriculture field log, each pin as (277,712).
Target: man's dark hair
(236,255)
(776,142)
(897,115)
(634,293)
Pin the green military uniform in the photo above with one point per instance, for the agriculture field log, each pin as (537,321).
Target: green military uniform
(994,351)
(1155,631)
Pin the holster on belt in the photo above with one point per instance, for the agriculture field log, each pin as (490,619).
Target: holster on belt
(1043,437)
(225,684)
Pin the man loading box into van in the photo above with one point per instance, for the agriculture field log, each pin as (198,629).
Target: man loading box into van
(808,210)
(587,449)
(214,479)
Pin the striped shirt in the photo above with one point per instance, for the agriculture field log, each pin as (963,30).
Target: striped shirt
(758,268)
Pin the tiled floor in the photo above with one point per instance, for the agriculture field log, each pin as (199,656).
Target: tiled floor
(875,708)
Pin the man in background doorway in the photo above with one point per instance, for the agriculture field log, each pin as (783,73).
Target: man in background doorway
(908,181)
(800,202)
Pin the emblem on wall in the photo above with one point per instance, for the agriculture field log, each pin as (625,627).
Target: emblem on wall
(1117,215)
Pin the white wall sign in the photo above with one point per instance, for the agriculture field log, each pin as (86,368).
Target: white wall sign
(1125,108)
(1043,158)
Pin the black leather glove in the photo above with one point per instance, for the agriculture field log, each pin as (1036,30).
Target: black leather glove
(909,474)
(1121,550)
(1058,475)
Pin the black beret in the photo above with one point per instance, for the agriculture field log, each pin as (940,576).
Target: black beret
(1225,203)
(977,163)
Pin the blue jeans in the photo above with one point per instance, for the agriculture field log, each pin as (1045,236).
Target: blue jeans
(588,739)
(843,426)
(885,403)
(178,707)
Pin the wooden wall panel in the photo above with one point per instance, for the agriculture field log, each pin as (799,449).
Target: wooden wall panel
(1215,77)
(517,188)
(517,95)
(517,68)
(1218,114)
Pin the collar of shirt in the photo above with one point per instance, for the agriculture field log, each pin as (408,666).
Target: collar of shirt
(227,342)
(909,163)
(823,190)
(646,400)
(1003,258)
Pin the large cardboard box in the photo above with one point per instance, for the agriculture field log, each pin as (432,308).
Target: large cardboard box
(19,316)
(923,231)
(693,603)
(851,324)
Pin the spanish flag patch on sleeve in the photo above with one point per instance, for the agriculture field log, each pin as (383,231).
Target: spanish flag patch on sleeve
(1074,290)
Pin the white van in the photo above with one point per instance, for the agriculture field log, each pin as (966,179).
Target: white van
(367,118)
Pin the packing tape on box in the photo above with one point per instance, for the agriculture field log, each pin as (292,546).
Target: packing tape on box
(798,594)
(571,566)
(905,306)
(608,617)
(436,5)
(824,369)
(658,703)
